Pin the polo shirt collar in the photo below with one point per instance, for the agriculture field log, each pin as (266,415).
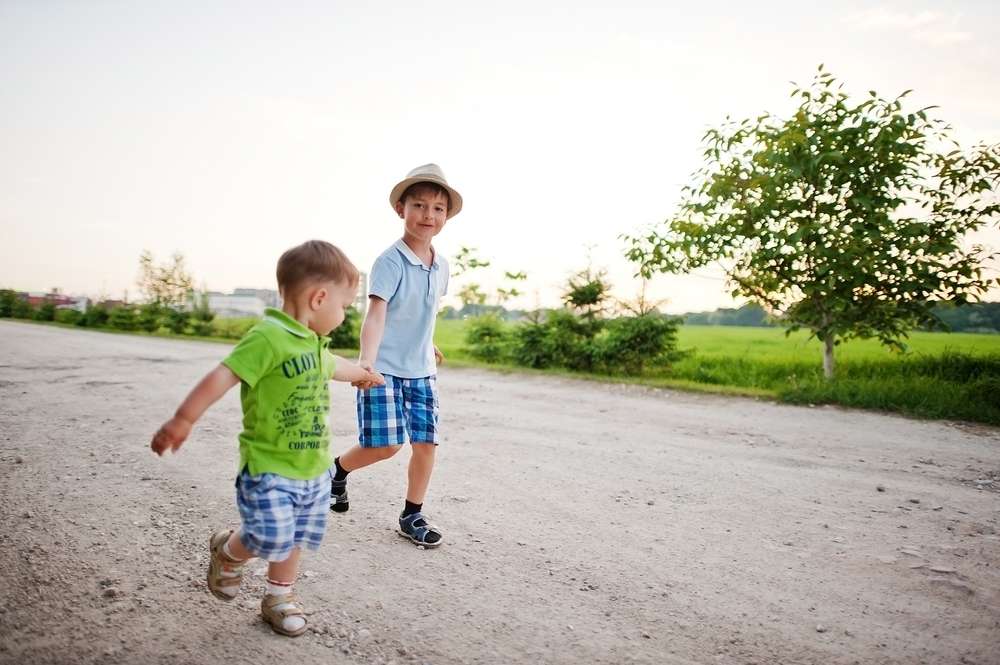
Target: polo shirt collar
(405,250)
(279,318)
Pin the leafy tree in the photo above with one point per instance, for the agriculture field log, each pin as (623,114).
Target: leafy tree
(846,218)
(586,292)
(487,338)
(177,321)
(166,284)
(95,316)
(8,301)
(632,343)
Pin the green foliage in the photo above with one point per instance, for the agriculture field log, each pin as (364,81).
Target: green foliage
(844,217)
(177,321)
(46,311)
(166,284)
(95,316)
(8,302)
(586,292)
(487,338)
(201,314)
(345,336)
(750,314)
(23,309)
(234,328)
(70,316)
(631,343)
(123,318)
(528,346)
(150,317)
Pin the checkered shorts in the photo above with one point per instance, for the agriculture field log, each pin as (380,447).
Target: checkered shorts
(280,514)
(402,410)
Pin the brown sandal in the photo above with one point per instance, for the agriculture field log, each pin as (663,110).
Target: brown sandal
(216,561)
(276,618)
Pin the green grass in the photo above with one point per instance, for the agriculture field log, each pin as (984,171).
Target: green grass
(942,375)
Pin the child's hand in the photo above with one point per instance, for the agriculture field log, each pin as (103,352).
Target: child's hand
(170,436)
(438,356)
(375,379)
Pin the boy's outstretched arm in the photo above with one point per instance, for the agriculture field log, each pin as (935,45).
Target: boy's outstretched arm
(345,370)
(371,331)
(371,338)
(172,433)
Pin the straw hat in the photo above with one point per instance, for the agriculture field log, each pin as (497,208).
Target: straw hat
(427,173)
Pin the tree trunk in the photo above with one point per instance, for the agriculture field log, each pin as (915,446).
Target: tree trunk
(828,357)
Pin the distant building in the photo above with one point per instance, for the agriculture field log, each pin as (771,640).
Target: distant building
(269,297)
(233,305)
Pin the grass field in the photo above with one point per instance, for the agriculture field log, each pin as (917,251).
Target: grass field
(942,375)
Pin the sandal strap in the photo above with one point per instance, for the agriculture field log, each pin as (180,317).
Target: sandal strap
(271,602)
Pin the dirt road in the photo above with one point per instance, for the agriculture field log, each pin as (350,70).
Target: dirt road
(585,524)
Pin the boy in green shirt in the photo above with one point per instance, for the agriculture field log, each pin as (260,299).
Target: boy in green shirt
(283,487)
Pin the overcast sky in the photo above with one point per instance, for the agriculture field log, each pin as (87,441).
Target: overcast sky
(231,131)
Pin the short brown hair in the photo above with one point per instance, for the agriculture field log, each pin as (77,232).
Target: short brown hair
(425,187)
(311,262)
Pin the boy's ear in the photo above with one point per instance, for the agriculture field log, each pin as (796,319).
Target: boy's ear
(399,208)
(319,296)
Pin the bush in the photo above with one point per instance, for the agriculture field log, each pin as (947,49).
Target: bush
(8,301)
(123,318)
(528,347)
(70,316)
(23,310)
(95,317)
(150,317)
(487,338)
(234,328)
(46,311)
(569,340)
(177,321)
(345,336)
(631,343)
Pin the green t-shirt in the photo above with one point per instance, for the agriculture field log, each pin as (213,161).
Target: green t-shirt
(285,369)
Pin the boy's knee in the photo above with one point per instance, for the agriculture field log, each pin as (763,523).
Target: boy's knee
(386,452)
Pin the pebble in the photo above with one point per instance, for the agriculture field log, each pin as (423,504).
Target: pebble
(942,569)
(914,500)
(880,488)
(820,628)
(111,592)
(650,503)
(331,644)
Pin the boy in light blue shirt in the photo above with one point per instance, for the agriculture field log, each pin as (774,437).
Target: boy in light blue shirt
(405,288)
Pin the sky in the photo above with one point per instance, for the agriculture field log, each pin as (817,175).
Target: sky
(230,131)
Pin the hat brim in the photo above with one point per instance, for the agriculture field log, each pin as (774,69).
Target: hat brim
(454,198)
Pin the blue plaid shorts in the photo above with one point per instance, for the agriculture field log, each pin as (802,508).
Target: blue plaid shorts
(402,410)
(280,514)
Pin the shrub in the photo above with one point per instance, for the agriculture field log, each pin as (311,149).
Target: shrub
(630,343)
(569,340)
(8,301)
(123,318)
(46,311)
(95,317)
(487,338)
(70,316)
(345,336)
(528,346)
(150,317)
(234,328)
(177,321)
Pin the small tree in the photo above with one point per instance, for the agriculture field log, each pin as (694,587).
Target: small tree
(166,284)
(845,218)
(201,314)
(586,292)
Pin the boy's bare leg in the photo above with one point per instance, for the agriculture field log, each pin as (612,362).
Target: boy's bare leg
(280,577)
(418,473)
(235,548)
(358,457)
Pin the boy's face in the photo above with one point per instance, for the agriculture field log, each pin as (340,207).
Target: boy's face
(329,303)
(424,215)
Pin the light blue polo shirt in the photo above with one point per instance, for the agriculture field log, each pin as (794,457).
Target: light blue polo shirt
(413,292)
